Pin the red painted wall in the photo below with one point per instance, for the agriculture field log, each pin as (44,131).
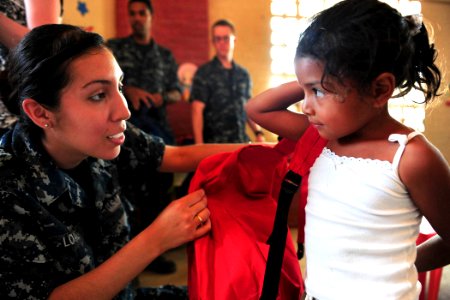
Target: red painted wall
(181,26)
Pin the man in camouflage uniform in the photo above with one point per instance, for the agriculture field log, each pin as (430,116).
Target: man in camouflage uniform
(69,234)
(150,82)
(219,92)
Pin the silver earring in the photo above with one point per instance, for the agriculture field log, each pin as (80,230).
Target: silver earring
(46,125)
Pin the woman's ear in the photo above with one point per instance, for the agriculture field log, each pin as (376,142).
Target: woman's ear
(382,88)
(37,113)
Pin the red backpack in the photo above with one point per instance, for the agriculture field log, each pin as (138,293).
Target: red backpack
(242,189)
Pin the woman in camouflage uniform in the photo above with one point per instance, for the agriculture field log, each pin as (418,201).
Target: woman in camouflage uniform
(67,167)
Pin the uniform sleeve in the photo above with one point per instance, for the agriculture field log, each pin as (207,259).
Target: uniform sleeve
(199,90)
(113,46)
(139,159)
(27,272)
(172,82)
(140,150)
(119,49)
(249,86)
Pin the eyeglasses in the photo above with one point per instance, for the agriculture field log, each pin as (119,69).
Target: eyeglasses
(225,38)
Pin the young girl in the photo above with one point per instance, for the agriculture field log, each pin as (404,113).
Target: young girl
(376,178)
(68,168)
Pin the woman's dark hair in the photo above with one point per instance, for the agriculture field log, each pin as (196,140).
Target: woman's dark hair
(360,39)
(38,66)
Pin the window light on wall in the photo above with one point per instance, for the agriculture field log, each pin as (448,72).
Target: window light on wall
(291,17)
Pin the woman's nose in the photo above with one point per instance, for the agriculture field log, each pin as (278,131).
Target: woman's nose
(121,111)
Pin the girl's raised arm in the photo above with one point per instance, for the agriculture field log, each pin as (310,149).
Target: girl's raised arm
(270,110)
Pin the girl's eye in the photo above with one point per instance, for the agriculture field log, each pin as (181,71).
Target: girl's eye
(121,88)
(318,92)
(98,97)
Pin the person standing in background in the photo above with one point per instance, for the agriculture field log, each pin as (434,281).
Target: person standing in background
(219,92)
(150,70)
(16,19)
(150,82)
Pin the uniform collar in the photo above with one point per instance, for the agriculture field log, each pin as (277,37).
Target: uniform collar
(48,180)
(151,44)
(217,63)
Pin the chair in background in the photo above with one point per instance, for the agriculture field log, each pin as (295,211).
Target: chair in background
(186,72)
(179,113)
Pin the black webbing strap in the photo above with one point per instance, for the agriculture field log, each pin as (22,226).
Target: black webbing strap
(277,239)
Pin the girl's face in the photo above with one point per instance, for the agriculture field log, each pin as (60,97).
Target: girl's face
(337,111)
(91,118)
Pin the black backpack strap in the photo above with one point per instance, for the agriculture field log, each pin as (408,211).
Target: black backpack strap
(277,239)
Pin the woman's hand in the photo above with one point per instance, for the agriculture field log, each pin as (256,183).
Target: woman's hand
(183,220)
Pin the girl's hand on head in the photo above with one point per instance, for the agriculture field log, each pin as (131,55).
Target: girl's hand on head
(183,220)
(269,110)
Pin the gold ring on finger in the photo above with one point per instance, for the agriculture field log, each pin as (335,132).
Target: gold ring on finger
(199,219)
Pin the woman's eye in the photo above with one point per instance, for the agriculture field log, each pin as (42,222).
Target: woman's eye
(121,88)
(318,92)
(98,97)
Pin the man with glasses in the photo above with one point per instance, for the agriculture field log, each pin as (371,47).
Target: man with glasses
(219,92)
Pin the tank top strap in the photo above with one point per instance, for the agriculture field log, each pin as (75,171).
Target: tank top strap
(402,139)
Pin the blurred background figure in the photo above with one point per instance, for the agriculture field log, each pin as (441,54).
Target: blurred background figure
(17,17)
(219,92)
(150,82)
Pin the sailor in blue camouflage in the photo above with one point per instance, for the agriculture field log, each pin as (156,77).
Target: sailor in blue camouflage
(76,224)
(153,68)
(14,10)
(150,82)
(224,93)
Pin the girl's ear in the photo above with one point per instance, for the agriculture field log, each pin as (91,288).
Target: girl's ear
(37,113)
(382,88)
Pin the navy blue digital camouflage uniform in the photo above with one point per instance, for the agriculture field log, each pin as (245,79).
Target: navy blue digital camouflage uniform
(154,69)
(224,93)
(53,228)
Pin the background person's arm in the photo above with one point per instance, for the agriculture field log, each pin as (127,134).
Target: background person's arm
(197,120)
(38,12)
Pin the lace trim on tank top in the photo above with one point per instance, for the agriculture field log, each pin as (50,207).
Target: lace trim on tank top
(402,139)
(338,159)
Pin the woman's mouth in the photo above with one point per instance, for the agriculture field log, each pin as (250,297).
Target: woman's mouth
(117,138)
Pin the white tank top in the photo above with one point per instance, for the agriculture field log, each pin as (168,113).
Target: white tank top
(361,229)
